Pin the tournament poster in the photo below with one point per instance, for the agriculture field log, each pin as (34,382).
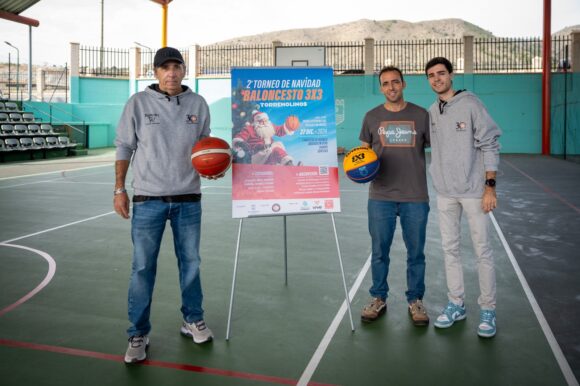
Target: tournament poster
(283,141)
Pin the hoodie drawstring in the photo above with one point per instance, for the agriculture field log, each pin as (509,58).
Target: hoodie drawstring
(177,97)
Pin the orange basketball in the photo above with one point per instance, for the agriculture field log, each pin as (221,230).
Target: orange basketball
(292,122)
(211,156)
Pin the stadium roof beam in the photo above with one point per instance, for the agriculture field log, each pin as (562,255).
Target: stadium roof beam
(10,10)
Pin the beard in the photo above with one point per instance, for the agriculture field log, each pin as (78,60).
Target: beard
(266,131)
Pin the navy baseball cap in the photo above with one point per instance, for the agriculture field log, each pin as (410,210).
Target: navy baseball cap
(166,54)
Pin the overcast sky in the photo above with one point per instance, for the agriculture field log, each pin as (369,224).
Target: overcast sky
(209,21)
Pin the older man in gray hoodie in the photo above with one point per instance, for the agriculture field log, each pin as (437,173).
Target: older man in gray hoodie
(464,162)
(155,134)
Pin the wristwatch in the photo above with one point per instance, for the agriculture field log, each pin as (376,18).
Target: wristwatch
(490,182)
(119,191)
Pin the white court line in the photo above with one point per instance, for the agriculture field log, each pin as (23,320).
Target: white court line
(41,285)
(560,358)
(557,351)
(318,354)
(58,227)
(56,171)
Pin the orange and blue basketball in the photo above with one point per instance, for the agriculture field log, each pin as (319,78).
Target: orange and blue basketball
(361,164)
(211,156)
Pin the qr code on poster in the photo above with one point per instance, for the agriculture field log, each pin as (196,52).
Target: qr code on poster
(323,170)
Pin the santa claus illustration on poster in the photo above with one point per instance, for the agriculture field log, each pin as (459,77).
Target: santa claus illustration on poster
(256,142)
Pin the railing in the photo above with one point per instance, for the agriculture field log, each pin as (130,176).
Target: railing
(51,80)
(218,60)
(94,61)
(517,55)
(57,80)
(410,56)
(561,46)
(489,55)
(343,57)
(77,133)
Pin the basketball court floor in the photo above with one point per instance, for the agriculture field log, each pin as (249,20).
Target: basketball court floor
(65,262)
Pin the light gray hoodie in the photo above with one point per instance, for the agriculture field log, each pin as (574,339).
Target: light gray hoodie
(464,145)
(156,132)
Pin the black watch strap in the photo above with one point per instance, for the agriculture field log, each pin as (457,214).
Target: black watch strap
(490,182)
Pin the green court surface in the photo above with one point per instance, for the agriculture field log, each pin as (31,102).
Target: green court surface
(72,331)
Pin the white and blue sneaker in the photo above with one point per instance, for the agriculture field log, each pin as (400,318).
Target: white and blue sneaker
(486,328)
(451,314)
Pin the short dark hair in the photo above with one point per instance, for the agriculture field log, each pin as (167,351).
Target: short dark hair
(439,60)
(388,69)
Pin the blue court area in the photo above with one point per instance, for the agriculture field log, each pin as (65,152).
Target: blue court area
(65,263)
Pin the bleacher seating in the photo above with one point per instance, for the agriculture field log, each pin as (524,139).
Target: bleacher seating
(15,117)
(52,143)
(33,129)
(20,129)
(66,143)
(46,128)
(28,117)
(39,142)
(26,143)
(10,106)
(12,144)
(22,133)
(7,129)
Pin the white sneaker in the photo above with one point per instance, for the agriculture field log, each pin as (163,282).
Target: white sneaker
(198,331)
(137,350)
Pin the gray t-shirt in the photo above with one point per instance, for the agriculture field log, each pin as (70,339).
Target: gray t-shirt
(399,139)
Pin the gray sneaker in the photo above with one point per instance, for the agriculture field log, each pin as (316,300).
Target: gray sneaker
(198,331)
(137,350)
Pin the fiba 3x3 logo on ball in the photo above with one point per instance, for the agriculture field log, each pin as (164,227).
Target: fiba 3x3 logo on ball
(361,164)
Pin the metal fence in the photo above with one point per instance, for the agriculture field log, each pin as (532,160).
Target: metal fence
(55,85)
(412,55)
(218,60)
(96,61)
(518,55)
(343,57)
(489,55)
(48,85)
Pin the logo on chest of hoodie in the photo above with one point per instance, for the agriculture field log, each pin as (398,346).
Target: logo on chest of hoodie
(191,119)
(460,126)
(152,119)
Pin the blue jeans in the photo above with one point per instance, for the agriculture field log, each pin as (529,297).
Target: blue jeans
(148,223)
(382,217)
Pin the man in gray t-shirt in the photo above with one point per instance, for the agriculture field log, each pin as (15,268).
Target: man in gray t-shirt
(398,131)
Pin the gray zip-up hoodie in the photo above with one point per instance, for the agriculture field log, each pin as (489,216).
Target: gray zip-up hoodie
(464,145)
(156,132)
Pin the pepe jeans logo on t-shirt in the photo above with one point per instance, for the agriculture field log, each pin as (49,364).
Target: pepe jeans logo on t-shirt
(397,133)
(152,119)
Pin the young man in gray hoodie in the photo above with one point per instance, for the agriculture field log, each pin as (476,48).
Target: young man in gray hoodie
(156,132)
(464,162)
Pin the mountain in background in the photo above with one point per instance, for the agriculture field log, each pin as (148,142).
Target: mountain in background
(361,29)
(377,29)
(568,30)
